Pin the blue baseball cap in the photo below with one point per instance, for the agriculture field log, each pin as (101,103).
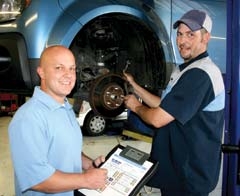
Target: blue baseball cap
(195,20)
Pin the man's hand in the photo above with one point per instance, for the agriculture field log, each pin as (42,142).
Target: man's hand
(98,161)
(131,102)
(95,178)
(128,77)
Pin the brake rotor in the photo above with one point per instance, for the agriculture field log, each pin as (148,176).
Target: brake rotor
(106,95)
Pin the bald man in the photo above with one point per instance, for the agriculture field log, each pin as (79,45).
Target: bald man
(45,138)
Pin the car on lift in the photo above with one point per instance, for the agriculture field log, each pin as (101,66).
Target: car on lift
(104,36)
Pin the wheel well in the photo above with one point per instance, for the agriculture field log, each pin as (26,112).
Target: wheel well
(108,42)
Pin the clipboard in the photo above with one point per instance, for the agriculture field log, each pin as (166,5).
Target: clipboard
(129,169)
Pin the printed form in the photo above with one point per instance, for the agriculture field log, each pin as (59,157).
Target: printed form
(123,176)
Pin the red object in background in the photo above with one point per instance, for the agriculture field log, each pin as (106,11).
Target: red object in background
(8,103)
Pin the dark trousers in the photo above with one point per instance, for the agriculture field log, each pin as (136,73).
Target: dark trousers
(178,193)
(77,193)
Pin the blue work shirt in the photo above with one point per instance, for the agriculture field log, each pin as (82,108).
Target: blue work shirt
(189,148)
(44,137)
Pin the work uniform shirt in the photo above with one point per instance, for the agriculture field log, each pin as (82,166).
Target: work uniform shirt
(44,137)
(189,148)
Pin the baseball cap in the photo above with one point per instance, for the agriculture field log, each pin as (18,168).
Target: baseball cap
(195,20)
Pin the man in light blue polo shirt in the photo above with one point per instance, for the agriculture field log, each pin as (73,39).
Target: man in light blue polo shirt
(45,138)
(189,116)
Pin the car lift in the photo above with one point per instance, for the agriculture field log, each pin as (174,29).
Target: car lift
(136,135)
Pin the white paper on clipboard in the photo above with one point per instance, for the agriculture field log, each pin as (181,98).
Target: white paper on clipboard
(123,176)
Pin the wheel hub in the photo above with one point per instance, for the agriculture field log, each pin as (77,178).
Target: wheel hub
(106,96)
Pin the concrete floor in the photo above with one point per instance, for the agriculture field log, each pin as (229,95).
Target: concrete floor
(93,146)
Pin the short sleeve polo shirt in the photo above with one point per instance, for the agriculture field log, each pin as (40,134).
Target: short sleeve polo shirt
(44,137)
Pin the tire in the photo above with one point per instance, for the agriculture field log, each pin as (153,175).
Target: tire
(94,124)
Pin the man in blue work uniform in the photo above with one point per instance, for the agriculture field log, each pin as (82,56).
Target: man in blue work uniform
(45,138)
(189,115)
